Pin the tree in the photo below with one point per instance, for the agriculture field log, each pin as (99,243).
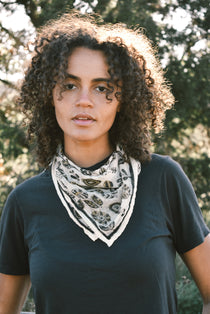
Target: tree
(184,61)
(14,158)
(183,52)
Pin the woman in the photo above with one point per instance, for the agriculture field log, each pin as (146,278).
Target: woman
(97,231)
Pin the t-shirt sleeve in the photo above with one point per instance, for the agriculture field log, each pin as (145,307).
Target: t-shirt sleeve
(13,249)
(184,216)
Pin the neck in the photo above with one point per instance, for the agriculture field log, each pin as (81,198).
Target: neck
(85,155)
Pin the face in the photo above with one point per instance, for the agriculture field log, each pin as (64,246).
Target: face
(83,112)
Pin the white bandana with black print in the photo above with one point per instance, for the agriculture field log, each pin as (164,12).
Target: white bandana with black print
(100,201)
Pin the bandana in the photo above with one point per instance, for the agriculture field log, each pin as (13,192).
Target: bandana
(100,201)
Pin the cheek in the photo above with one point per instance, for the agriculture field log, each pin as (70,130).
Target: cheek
(61,108)
(110,117)
(115,109)
(60,116)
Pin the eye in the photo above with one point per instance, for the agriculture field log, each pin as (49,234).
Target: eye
(69,86)
(101,89)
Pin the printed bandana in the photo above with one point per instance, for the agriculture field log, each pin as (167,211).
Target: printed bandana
(100,201)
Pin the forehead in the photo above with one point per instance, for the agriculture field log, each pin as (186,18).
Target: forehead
(84,60)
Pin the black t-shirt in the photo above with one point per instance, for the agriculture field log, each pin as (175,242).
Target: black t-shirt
(72,274)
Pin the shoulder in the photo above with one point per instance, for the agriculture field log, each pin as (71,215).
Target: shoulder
(162,164)
(36,180)
(31,186)
(162,160)
(165,172)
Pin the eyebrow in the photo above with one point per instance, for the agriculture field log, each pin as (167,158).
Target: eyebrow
(98,79)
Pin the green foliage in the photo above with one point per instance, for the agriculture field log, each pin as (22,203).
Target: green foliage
(189,299)
(12,136)
(199,173)
(14,172)
(50,9)
(192,100)
(29,304)
(132,13)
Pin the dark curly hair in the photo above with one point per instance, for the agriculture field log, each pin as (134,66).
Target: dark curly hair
(131,60)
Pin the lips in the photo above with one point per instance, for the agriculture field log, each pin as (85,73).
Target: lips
(83,119)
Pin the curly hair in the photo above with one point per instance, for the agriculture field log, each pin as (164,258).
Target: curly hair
(131,59)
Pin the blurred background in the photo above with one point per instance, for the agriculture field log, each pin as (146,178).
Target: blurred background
(179,30)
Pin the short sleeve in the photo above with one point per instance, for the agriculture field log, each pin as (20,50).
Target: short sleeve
(184,217)
(13,249)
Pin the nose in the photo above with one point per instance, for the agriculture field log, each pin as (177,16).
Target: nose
(84,99)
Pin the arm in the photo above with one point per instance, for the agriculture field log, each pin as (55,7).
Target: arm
(13,292)
(198,262)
